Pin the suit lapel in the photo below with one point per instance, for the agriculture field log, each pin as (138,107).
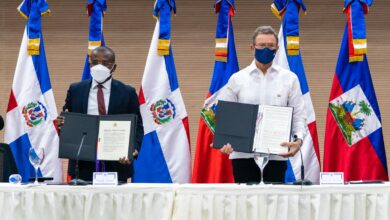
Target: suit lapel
(113,97)
(85,95)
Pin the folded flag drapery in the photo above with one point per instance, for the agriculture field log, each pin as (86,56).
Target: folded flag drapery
(291,59)
(210,165)
(31,108)
(353,136)
(165,153)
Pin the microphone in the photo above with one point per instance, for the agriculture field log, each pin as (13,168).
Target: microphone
(302,181)
(77,180)
(1,123)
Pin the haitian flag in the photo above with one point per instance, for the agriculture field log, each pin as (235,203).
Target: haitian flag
(210,165)
(289,57)
(353,138)
(31,108)
(165,153)
(95,10)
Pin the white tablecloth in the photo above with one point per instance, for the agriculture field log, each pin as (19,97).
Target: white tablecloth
(86,202)
(282,202)
(181,202)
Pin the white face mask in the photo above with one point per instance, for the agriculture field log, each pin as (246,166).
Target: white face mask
(100,73)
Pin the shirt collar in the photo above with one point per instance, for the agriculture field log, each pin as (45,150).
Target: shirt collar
(272,70)
(106,85)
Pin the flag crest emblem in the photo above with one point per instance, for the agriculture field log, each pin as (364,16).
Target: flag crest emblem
(163,111)
(354,115)
(34,113)
(208,115)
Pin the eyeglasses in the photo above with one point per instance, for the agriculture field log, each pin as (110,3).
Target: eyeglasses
(262,46)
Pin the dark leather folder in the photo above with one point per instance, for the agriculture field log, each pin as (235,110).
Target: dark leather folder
(235,124)
(77,124)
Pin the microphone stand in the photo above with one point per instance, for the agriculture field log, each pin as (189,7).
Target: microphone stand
(77,180)
(302,181)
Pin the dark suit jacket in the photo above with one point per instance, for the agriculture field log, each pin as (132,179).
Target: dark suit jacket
(8,164)
(123,100)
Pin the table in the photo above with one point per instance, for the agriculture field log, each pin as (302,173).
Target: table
(229,202)
(51,202)
(190,201)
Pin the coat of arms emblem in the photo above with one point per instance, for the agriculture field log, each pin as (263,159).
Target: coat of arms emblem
(163,111)
(34,113)
(354,115)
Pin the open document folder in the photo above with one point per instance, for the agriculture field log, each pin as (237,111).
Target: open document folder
(253,128)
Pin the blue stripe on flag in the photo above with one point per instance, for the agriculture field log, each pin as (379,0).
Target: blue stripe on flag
(355,73)
(296,64)
(376,139)
(289,177)
(171,70)
(41,69)
(352,74)
(20,148)
(222,70)
(151,167)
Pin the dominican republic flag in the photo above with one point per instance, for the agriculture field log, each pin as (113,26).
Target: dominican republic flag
(289,57)
(165,153)
(353,138)
(210,165)
(31,109)
(96,9)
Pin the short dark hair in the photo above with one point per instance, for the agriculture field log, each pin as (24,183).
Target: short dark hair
(266,30)
(104,49)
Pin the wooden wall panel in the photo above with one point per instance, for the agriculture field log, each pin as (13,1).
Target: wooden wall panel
(129,25)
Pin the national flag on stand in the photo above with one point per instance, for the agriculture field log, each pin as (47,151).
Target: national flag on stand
(31,109)
(289,57)
(165,153)
(353,138)
(95,10)
(210,165)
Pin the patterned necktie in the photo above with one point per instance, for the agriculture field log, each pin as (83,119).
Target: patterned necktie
(100,100)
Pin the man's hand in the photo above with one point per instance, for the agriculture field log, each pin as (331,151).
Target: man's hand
(227,149)
(125,160)
(60,120)
(292,146)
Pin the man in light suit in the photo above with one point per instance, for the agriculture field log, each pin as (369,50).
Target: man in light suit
(103,95)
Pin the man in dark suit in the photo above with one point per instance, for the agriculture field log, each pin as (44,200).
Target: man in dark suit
(7,165)
(103,95)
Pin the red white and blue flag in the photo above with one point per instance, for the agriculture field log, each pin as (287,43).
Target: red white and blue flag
(210,165)
(96,10)
(165,153)
(354,138)
(31,109)
(289,57)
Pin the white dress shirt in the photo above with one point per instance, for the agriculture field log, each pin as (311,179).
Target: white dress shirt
(92,99)
(277,87)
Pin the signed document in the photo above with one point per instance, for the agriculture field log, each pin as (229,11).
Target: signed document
(113,140)
(273,126)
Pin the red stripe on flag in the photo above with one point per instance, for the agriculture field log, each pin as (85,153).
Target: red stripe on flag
(336,90)
(56,127)
(208,95)
(314,136)
(210,165)
(187,127)
(141,97)
(358,162)
(12,103)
